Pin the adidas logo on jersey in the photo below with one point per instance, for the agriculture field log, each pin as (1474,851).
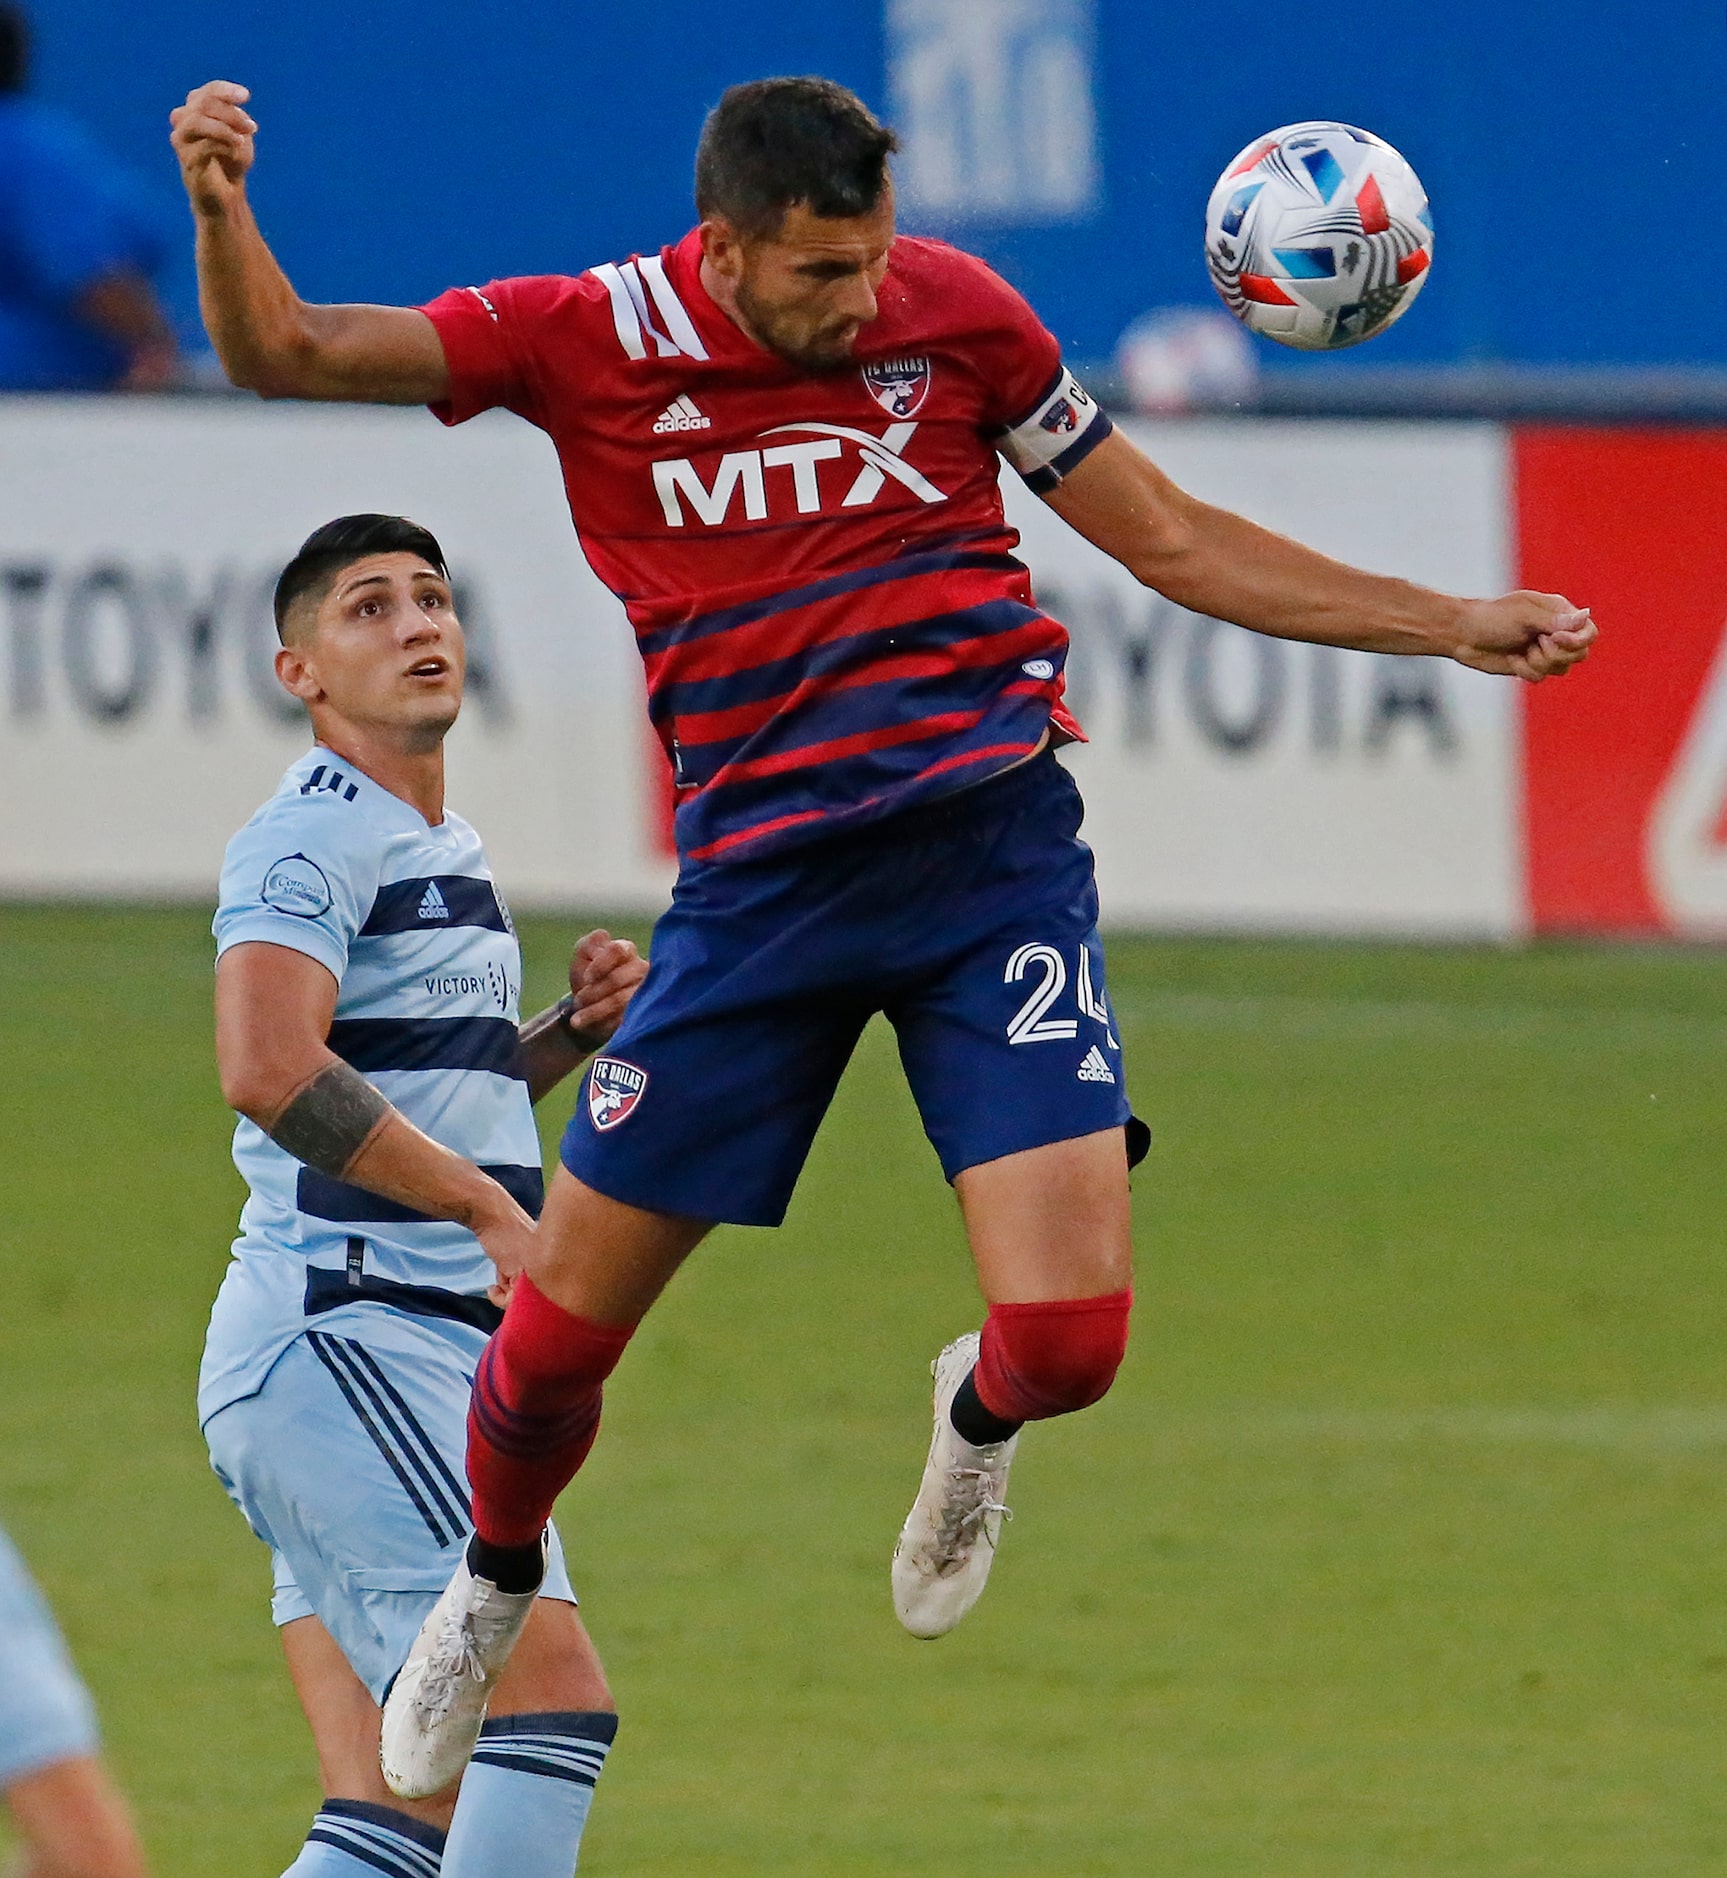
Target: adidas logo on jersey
(432,903)
(1094,1068)
(681,414)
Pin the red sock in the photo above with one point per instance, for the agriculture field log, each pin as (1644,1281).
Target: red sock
(1039,1360)
(535,1412)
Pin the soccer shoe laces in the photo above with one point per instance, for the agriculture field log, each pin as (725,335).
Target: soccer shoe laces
(965,1515)
(454,1658)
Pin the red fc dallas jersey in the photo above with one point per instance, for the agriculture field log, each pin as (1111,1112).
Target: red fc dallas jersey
(816,564)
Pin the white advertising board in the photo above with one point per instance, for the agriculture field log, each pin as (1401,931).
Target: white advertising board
(1235,782)
(1232,782)
(142,723)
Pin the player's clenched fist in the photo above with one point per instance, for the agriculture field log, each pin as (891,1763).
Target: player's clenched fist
(604,975)
(1525,635)
(212,137)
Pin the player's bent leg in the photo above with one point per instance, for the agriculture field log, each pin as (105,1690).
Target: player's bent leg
(527,1790)
(74,1822)
(523,1803)
(361,1827)
(1050,1231)
(598,1266)
(533,1419)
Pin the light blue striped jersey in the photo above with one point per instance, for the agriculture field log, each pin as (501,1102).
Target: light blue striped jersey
(406,918)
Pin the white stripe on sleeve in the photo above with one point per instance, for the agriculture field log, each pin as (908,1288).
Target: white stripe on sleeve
(678,322)
(624,318)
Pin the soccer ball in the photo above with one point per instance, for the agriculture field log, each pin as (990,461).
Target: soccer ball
(1318,236)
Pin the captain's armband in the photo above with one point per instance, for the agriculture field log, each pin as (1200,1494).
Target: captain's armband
(330,1120)
(1063,429)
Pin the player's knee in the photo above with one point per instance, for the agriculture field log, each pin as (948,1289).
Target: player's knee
(1040,1360)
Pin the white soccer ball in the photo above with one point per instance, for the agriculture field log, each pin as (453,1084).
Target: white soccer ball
(1318,236)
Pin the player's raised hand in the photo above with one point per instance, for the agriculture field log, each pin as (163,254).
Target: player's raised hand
(213,138)
(1525,635)
(604,975)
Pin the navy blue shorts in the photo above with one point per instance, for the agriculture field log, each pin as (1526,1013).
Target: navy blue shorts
(970,922)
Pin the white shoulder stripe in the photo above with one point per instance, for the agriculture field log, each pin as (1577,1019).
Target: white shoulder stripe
(678,322)
(629,327)
(633,281)
(635,320)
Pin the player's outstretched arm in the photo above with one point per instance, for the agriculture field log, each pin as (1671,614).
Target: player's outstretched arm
(268,339)
(1223,565)
(605,974)
(273,1012)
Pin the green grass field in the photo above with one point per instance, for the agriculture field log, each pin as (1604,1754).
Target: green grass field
(1399,1548)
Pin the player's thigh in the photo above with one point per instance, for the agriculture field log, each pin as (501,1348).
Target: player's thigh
(705,1103)
(604,1259)
(1009,1044)
(349,1463)
(1051,1222)
(75,1822)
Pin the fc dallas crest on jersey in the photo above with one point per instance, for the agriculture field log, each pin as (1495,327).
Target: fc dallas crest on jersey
(614,1089)
(899,386)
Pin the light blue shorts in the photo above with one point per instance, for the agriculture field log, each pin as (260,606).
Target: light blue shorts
(350,1465)
(45,1713)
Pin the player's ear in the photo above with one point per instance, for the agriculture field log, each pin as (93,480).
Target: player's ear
(295,675)
(722,247)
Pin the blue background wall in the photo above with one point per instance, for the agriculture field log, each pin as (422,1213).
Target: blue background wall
(1573,153)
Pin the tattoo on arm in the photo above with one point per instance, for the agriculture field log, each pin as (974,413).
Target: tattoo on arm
(330,1120)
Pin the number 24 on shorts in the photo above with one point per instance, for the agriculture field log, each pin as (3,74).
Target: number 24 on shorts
(1031,1023)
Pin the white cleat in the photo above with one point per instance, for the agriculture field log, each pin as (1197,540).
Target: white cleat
(436,1705)
(947,1544)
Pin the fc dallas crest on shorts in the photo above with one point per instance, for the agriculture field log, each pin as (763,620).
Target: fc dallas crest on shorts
(614,1089)
(899,386)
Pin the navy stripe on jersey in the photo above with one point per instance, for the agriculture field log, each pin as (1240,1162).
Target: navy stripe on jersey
(325,1198)
(380,1043)
(848,697)
(776,677)
(952,558)
(407,1449)
(435,900)
(902,773)
(327,1290)
(853,708)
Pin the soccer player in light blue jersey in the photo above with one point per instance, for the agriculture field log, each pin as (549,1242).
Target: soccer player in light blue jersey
(73,1822)
(367,1031)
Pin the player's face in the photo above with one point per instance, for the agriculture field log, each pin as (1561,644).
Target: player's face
(385,651)
(807,290)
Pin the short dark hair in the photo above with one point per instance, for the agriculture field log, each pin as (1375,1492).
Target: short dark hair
(779,141)
(14,48)
(339,544)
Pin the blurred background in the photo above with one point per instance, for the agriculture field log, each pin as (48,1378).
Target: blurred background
(1398,1547)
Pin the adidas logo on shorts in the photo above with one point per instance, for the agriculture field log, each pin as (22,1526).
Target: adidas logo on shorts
(681,414)
(1094,1068)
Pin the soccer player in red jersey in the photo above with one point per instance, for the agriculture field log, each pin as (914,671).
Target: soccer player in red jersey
(780,438)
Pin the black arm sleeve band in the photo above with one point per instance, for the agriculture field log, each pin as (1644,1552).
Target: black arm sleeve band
(328,1122)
